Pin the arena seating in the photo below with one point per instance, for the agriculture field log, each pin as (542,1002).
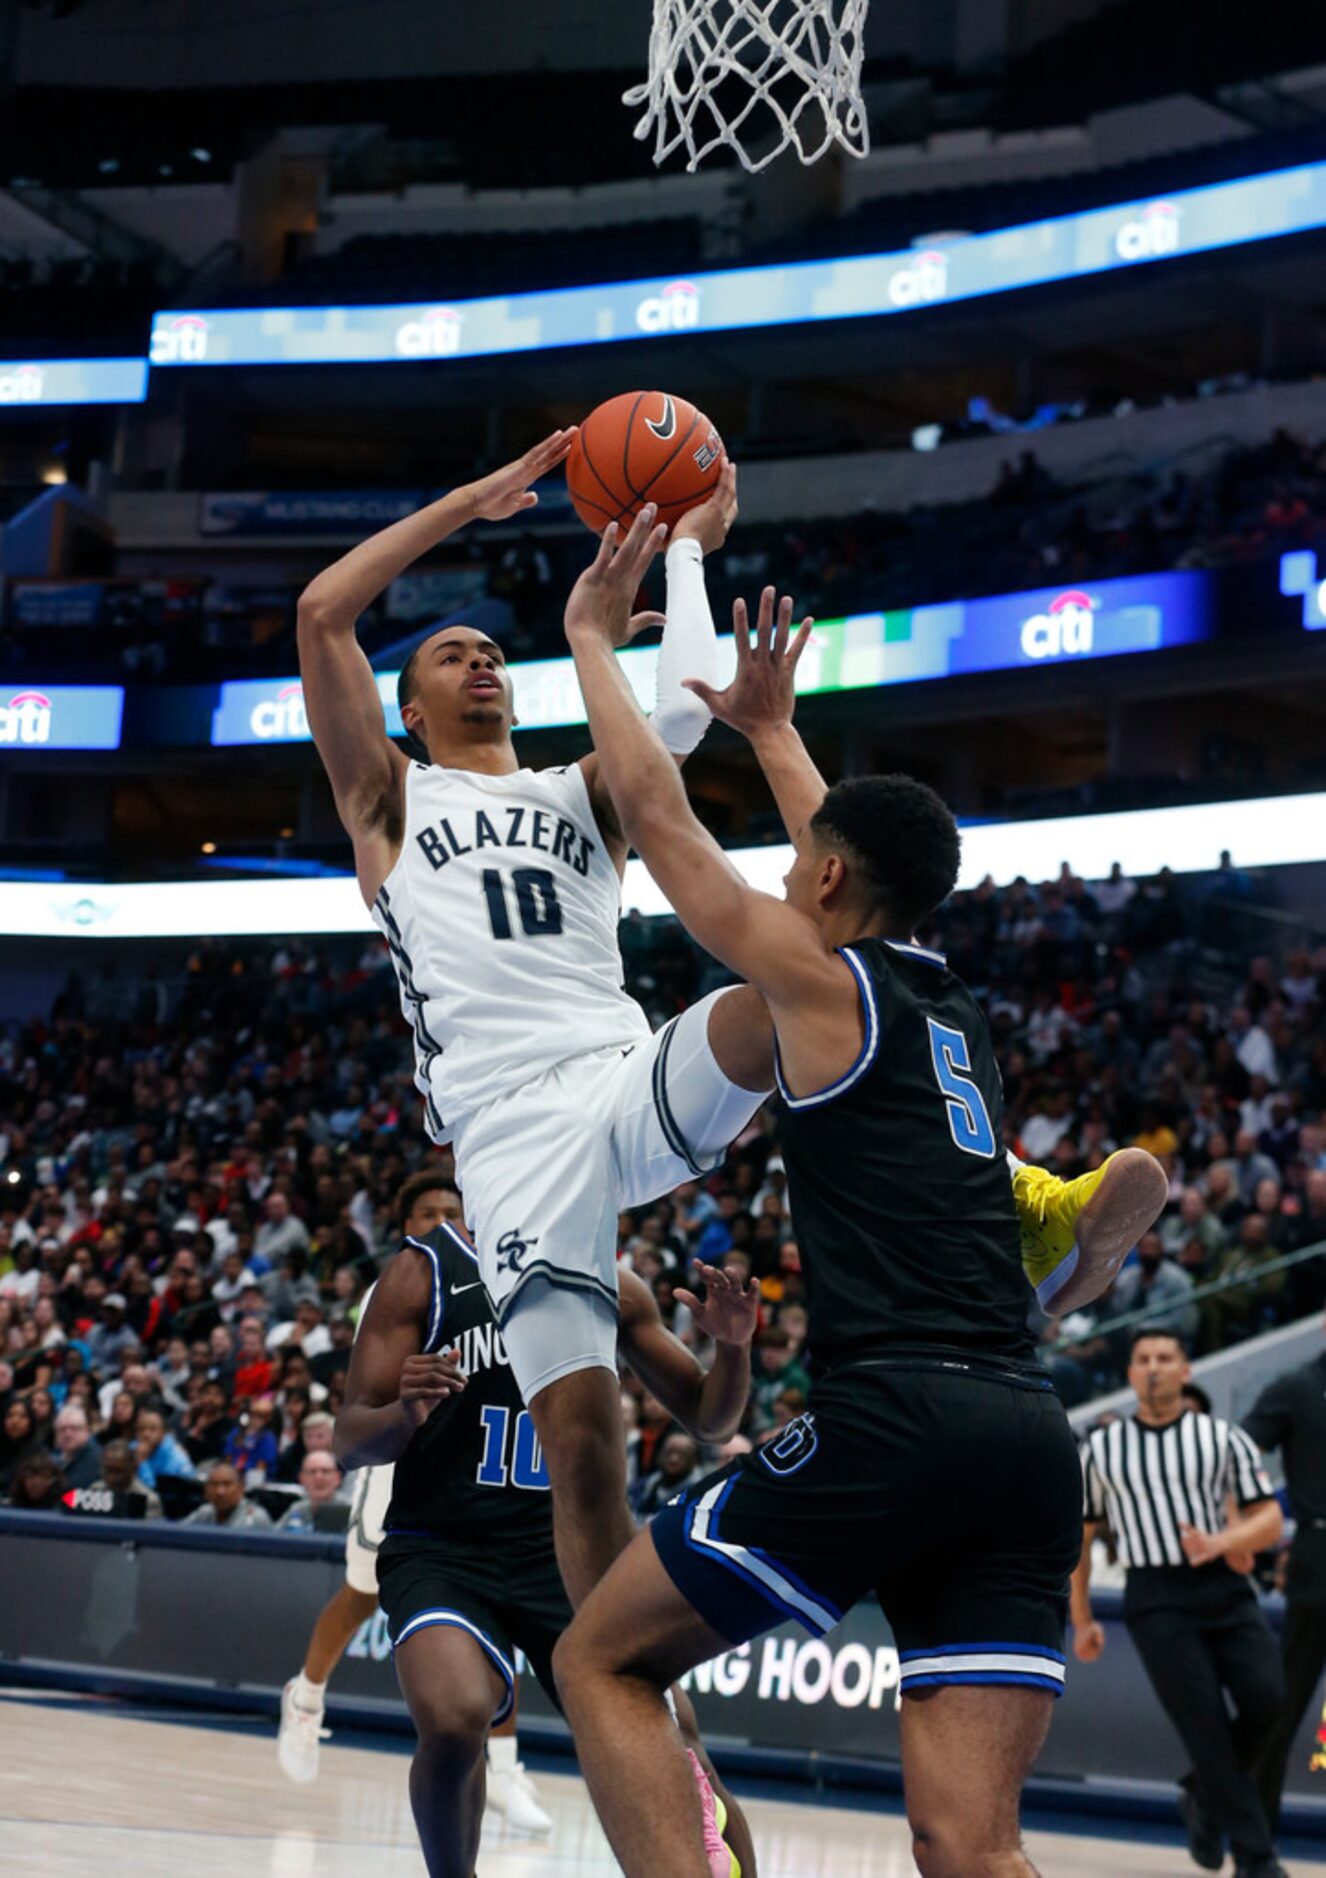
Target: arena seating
(283,1068)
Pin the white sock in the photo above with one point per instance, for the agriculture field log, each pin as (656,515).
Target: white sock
(309,1695)
(502,1753)
(689,650)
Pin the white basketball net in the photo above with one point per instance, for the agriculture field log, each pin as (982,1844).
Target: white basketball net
(790,68)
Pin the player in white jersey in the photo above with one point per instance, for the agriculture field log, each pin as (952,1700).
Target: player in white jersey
(498,891)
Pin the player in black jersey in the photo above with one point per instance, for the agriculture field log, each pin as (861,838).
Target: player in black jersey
(467,1571)
(935,1465)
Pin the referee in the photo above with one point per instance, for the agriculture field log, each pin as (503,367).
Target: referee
(1160,1479)
(1290,1414)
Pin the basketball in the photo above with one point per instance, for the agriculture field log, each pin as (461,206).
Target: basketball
(645,446)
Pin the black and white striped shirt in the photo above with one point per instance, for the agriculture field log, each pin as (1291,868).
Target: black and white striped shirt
(1146,1482)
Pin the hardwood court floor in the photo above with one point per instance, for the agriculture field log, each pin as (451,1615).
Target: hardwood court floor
(86,1787)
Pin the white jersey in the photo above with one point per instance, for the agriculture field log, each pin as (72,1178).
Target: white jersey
(501,915)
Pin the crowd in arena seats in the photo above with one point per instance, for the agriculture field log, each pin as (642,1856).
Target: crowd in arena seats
(198,1181)
(1029,531)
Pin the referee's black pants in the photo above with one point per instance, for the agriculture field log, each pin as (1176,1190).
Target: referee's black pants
(1194,1655)
(1303,1653)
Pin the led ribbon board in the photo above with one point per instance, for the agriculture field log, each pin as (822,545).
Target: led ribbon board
(60,717)
(1066,247)
(1261,832)
(29,383)
(1048,626)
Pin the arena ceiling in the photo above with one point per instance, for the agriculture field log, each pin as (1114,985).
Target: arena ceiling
(164,43)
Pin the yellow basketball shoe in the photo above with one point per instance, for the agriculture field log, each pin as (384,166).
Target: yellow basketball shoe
(1083,1229)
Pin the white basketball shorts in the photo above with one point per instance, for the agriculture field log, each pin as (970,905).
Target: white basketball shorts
(363,1536)
(544,1173)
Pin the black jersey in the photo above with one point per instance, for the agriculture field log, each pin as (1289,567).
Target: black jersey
(475,1470)
(898,1184)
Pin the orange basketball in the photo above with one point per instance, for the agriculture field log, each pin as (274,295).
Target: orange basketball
(646,446)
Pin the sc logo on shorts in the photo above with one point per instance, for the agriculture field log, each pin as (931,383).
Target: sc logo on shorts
(793,1448)
(512,1248)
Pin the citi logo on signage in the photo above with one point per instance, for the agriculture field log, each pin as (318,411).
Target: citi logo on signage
(26,718)
(24,385)
(181,341)
(282,717)
(923,280)
(1063,629)
(434,335)
(675,310)
(1152,233)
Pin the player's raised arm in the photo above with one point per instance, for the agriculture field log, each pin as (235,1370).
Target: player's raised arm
(689,648)
(759,703)
(340,692)
(765,940)
(709,1403)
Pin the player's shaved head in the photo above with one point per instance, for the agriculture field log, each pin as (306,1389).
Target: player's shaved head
(899,838)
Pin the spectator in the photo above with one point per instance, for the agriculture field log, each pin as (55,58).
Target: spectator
(1242,1312)
(112,1335)
(19,1442)
(158,1452)
(1043,1131)
(235,1278)
(43,1416)
(1193,1220)
(1251,1166)
(294,1407)
(251,1445)
(1160,1287)
(38,1485)
(678,1468)
(135,1380)
(280,1233)
(1252,1046)
(320,1509)
(125,1495)
(776,1368)
(120,1424)
(208,1424)
(80,1455)
(341,1331)
(225,1504)
(254,1369)
(306,1331)
(21,1280)
(221,1354)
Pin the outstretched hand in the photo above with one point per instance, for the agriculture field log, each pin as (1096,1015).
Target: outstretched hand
(507,491)
(731,1309)
(763,693)
(600,602)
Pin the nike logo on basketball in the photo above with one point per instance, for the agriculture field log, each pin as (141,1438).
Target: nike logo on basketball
(666,424)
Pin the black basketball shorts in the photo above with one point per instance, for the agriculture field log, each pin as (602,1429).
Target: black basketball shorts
(951,1492)
(506,1598)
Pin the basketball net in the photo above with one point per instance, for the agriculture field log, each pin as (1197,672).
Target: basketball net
(734,71)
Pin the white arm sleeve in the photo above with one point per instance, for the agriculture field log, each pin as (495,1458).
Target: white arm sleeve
(689,650)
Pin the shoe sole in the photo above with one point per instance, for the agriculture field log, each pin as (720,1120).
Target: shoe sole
(1127,1203)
